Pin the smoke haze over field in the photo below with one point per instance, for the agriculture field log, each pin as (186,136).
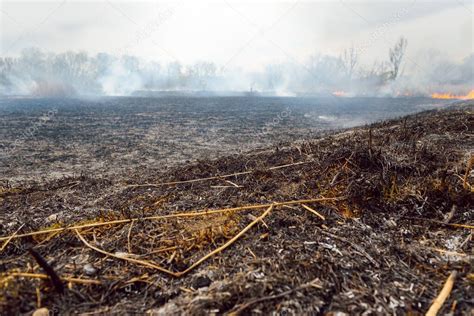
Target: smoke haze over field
(278,47)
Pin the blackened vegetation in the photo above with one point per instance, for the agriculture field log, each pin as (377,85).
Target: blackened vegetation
(48,138)
(55,280)
(387,243)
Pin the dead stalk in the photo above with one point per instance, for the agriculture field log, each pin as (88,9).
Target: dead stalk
(187,214)
(214,177)
(239,309)
(194,265)
(140,262)
(10,238)
(227,244)
(468,170)
(442,296)
(128,236)
(313,211)
(46,277)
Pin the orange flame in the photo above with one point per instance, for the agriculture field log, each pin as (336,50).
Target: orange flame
(339,93)
(449,96)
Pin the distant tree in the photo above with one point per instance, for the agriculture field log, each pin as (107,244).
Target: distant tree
(6,69)
(103,61)
(396,54)
(273,76)
(131,63)
(201,73)
(325,72)
(350,59)
(152,75)
(175,78)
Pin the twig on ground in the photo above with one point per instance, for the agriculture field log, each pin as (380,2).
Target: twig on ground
(188,181)
(187,214)
(128,236)
(313,211)
(45,277)
(214,177)
(355,246)
(235,185)
(55,280)
(222,186)
(140,262)
(468,226)
(457,225)
(468,170)
(228,243)
(194,265)
(239,309)
(10,238)
(161,250)
(442,296)
(449,253)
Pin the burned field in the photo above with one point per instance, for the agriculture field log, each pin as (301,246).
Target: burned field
(49,138)
(370,219)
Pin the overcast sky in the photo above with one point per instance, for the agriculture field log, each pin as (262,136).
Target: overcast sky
(238,33)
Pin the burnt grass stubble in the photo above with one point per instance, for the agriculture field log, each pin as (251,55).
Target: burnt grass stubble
(377,249)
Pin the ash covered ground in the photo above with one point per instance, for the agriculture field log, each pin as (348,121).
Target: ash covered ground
(371,219)
(50,138)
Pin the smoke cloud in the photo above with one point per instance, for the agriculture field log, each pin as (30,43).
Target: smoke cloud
(40,73)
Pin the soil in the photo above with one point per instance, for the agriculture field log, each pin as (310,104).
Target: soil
(390,218)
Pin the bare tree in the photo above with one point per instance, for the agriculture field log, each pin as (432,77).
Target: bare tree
(201,73)
(6,69)
(396,56)
(350,59)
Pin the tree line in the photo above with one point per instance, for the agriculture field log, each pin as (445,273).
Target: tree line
(38,72)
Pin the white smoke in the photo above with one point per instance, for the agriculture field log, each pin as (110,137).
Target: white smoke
(118,80)
(71,73)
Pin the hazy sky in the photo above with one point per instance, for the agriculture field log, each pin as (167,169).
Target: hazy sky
(243,34)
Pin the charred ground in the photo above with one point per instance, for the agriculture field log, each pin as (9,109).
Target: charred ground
(392,192)
(50,138)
